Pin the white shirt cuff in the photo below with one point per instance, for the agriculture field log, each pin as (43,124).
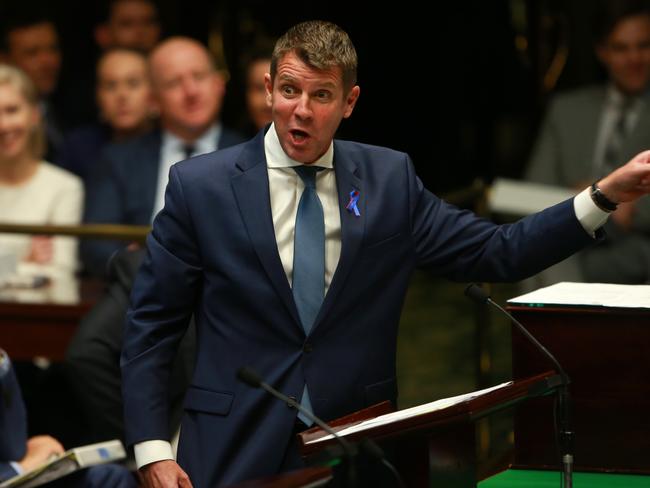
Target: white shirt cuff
(148,452)
(16,467)
(587,212)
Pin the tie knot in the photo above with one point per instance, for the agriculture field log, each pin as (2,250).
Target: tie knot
(308,174)
(188,150)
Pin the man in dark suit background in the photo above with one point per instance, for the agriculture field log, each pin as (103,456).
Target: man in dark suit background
(293,252)
(129,188)
(589,131)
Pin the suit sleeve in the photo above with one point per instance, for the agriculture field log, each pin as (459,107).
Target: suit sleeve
(162,301)
(461,246)
(6,471)
(13,418)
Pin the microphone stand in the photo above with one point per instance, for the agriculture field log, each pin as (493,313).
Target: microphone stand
(250,377)
(565,430)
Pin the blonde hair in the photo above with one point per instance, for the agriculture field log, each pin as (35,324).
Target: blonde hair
(10,75)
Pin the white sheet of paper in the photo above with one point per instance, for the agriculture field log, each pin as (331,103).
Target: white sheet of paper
(411,412)
(593,294)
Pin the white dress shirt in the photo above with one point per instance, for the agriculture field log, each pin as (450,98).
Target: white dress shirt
(285,189)
(172,150)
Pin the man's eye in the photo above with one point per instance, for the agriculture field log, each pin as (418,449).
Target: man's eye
(288,90)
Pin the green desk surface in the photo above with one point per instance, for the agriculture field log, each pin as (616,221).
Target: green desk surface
(519,478)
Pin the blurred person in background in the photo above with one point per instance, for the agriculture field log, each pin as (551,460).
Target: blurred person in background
(589,131)
(20,453)
(30,42)
(131,24)
(258,106)
(126,110)
(33,191)
(130,183)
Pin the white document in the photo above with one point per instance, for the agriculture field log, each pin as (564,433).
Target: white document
(410,412)
(68,462)
(520,198)
(590,294)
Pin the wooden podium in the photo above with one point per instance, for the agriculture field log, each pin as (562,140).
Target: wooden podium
(435,448)
(302,478)
(606,353)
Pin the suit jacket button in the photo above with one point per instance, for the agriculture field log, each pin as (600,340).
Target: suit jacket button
(307,347)
(292,398)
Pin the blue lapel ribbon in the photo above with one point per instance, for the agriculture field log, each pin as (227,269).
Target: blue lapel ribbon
(352,204)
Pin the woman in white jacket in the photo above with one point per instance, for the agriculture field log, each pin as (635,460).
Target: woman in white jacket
(33,191)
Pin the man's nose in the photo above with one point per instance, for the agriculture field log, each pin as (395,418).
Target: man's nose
(303,107)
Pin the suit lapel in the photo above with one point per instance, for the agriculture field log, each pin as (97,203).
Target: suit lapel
(352,227)
(251,189)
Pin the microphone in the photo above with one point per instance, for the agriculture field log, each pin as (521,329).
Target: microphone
(477,294)
(251,378)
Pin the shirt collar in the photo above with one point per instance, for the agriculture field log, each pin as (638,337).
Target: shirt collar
(204,144)
(616,98)
(277,158)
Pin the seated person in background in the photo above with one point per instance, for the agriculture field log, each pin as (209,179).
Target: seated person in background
(33,191)
(130,183)
(588,131)
(258,107)
(29,40)
(126,110)
(92,360)
(19,454)
(129,24)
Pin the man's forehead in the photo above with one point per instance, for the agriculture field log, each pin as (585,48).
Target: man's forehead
(292,68)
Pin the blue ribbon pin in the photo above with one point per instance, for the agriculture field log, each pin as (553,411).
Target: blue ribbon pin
(352,204)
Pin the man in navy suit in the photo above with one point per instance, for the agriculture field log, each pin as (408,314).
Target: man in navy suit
(233,246)
(19,454)
(129,186)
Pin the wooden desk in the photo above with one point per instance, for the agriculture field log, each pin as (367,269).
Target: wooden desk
(606,353)
(41,321)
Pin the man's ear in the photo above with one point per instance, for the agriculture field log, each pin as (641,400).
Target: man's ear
(351,101)
(268,85)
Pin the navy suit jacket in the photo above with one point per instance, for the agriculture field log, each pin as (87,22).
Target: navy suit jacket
(13,421)
(124,189)
(81,150)
(213,253)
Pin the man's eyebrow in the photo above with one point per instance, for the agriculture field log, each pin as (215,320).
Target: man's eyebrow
(286,77)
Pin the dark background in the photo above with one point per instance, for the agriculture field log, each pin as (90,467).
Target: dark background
(459,88)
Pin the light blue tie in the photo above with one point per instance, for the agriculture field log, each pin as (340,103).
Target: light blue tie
(308,260)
